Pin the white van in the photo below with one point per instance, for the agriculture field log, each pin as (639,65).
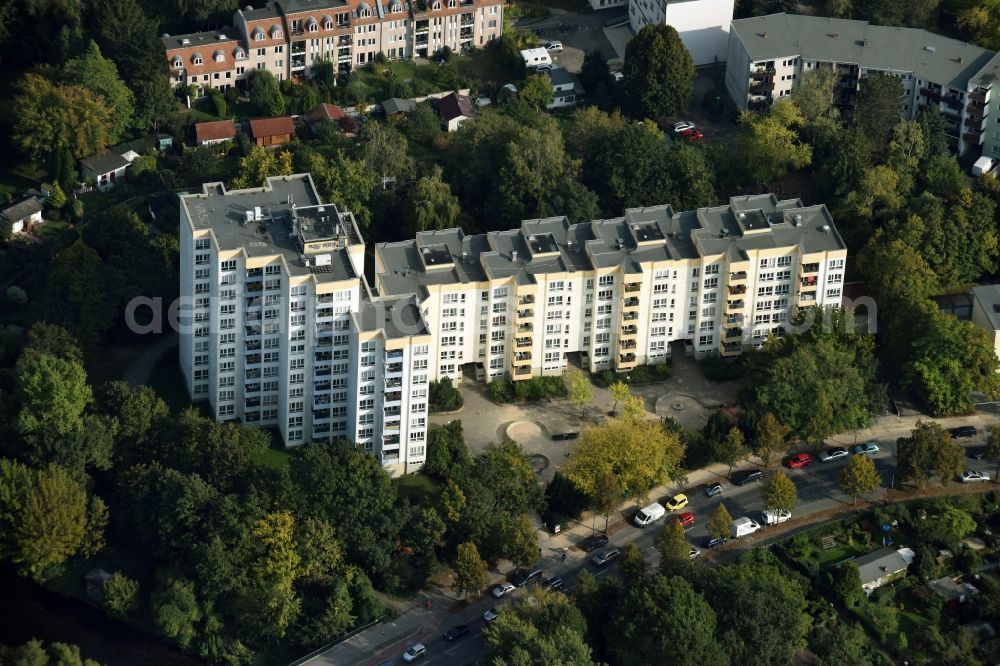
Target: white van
(649,514)
(983,165)
(775,516)
(744,526)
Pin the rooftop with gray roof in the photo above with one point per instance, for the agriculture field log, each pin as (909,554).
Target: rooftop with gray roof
(643,235)
(396,317)
(267,220)
(930,56)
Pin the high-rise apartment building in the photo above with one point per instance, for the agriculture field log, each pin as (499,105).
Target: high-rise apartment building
(769,54)
(281,327)
(288,37)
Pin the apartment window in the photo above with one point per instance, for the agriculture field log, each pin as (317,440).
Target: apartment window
(711,283)
(606,280)
(712,269)
(833,293)
(499,293)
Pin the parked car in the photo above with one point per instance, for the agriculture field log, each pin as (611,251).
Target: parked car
(683,125)
(962,432)
(552,583)
(502,589)
(456,632)
(554,46)
(713,490)
(414,652)
(868,448)
(490,615)
(543,69)
(649,514)
(526,576)
(976,452)
(617,77)
(678,501)
(563,436)
(747,476)
(693,553)
(714,542)
(799,460)
(743,526)
(775,516)
(593,542)
(692,134)
(972,476)
(686,519)
(834,453)
(605,557)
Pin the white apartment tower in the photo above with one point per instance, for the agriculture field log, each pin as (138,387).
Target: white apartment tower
(281,328)
(769,54)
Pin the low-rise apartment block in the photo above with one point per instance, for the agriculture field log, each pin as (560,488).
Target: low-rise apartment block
(769,54)
(280,326)
(288,37)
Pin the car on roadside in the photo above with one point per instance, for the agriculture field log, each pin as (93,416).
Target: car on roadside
(868,448)
(747,476)
(502,589)
(555,46)
(776,516)
(686,519)
(692,134)
(972,476)
(552,583)
(593,542)
(800,460)
(456,632)
(605,557)
(976,452)
(678,501)
(713,490)
(683,125)
(414,652)
(962,432)
(525,577)
(693,553)
(490,615)
(711,543)
(834,453)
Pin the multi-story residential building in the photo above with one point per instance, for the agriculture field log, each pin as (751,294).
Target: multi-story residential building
(769,54)
(703,25)
(280,327)
(288,37)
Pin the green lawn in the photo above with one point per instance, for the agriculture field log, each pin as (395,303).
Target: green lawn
(827,558)
(421,489)
(275,456)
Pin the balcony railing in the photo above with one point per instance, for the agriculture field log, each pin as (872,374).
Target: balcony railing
(628,344)
(810,268)
(526,300)
(524,328)
(734,319)
(629,330)
(630,316)
(734,332)
(625,359)
(762,73)
(807,297)
(631,302)
(739,275)
(523,342)
(393,356)
(809,281)
(732,347)
(520,357)
(525,314)
(737,289)
(632,287)
(734,305)
(522,372)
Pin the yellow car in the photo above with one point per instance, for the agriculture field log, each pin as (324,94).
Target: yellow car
(677,502)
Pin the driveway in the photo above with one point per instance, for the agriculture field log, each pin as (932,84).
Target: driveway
(579,34)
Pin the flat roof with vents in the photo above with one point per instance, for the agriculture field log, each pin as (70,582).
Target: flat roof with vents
(647,232)
(542,243)
(435,255)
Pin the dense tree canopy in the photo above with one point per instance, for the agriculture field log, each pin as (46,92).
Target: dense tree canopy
(659,71)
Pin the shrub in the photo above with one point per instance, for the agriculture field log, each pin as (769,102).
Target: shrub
(534,389)
(444,397)
(641,374)
(563,499)
(501,390)
(219,104)
(120,594)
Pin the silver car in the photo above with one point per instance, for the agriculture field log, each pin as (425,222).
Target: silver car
(836,453)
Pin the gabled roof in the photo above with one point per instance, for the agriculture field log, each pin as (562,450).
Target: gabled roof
(21,210)
(215,130)
(879,564)
(105,162)
(261,127)
(324,112)
(397,105)
(453,106)
(560,77)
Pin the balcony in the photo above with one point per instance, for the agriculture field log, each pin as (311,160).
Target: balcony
(526,313)
(630,302)
(522,342)
(522,357)
(734,319)
(251,388)
(627,344)
(253,302)
(525,328)
(252,345)
(810,268)
(737,289)
(762,87)
(934,95)
(626,360)
(952,101)
(391,428)
(393,370)
(391,411)
(632,287)
(393,383)
(731,348)
(732,306)
(526,300)
(521,373)
(321,386)
(809,282)
(737,276)
(733,333)
(973,137)
(323,356)
(252,359)
(630,316)
(809,297)
(390,440)
(762,73)
(393,356)
(630,330)
(252,403)
(321,415)
(321,401)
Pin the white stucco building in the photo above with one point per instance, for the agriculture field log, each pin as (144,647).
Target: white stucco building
(281,327)
(703,25)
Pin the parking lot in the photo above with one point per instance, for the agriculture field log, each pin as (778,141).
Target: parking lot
(579,34)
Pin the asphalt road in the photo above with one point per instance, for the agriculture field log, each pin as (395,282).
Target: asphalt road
(818,490)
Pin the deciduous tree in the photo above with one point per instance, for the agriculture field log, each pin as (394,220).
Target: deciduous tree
(631,564)
(732,449)
(769,438)
(261,163)
(579,389)
(470,570)
(720,524)
(928,448)
(264,93)
(659,71)
(619,391)
(386,154)
(778,492)
(845,580)
(993,450)
(120,594)
(879,104)
(769,145)
(99,75)
(672,545)
(859,476)
(430,203)
(537,90)
(54,117)
(347,183)
(520,544)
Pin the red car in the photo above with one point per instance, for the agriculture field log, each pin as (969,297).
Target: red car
(686,519)
(692,134)
(799,460)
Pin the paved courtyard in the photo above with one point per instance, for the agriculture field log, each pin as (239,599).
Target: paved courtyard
(686,396)
(579,33)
